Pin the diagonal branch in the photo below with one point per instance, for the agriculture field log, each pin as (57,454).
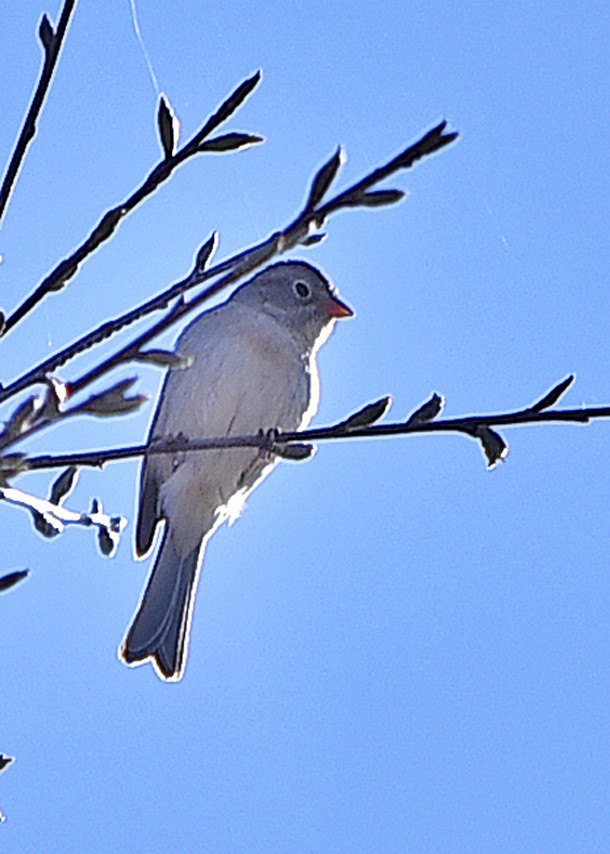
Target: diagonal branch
(52,41)
(38,412)
(298,232)
(50,518)
(303,230)
(57,279)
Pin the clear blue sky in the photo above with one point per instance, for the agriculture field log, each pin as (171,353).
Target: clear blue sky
(394,649)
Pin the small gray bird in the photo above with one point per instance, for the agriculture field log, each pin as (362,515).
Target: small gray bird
(252,366)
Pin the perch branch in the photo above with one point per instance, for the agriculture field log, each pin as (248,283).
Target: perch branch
(360,425)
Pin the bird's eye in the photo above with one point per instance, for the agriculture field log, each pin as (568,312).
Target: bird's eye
(302,290)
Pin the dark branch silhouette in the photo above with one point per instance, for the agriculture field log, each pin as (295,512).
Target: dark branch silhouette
(58,400)
(58,278)
(55,402)
(360,425)
(52,41)
(303,230)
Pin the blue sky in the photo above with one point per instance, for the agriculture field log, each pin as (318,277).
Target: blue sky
(394,649)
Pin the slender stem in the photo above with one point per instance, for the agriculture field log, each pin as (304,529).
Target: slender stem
(466,425)
(52,49)
(239,265)
(109,222)
(111,327)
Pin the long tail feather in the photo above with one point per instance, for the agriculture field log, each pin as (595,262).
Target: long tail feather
(161,626)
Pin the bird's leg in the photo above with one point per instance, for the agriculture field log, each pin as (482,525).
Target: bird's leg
(268,441)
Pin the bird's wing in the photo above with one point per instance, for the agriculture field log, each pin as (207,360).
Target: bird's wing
(246,375)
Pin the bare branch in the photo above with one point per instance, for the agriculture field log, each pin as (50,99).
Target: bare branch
(50,519)
(479,427)
(52,41)
(430,143)
(40,411)
(57,279)
(298,232)
(39,372)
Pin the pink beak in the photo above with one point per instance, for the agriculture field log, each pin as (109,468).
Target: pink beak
(337,308)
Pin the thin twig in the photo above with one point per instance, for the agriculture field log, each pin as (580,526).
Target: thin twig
(470,425)
(52,41)
(50,518)
(105,228)
(39,412)
(300,231)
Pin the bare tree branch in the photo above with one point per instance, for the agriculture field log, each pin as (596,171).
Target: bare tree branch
(50,518)
(38,373)
(57,279)
(54,402)
(52,41)
(355,426)
(300,231)
(39,411)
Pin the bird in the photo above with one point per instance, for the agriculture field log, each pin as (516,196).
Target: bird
(251,367)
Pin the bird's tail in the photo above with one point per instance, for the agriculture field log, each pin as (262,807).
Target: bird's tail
(161,626)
